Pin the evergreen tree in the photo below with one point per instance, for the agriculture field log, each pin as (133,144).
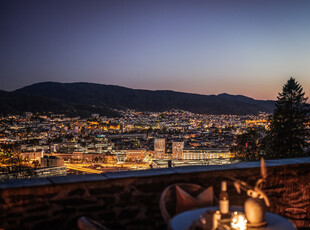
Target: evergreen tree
(286,137)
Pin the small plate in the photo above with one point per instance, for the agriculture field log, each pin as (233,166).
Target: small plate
(257,225)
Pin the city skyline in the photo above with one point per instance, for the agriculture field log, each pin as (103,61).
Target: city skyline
(204,47)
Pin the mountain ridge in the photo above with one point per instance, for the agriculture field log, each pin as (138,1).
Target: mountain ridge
(16,103)
(110,97)
(124,87)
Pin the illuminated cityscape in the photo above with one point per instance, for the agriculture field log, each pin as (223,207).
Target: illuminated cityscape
(135,140)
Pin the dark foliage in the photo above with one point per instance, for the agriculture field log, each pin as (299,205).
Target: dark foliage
(248,144)
(97,96)
(286,137)
(17,103)
(14,103)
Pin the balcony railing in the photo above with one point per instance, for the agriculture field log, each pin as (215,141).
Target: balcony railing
(129,200)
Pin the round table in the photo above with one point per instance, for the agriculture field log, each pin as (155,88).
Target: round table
(184,220)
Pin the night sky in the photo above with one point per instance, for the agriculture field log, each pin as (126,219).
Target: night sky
(207,47)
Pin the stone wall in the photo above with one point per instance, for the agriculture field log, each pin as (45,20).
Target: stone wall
(129,200)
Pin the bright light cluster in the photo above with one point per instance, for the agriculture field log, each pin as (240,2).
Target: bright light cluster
(238,221)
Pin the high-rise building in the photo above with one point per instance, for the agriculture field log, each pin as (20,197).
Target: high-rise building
(177,150)
(160,148)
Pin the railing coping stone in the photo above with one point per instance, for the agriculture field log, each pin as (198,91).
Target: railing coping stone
(139,173)
(29,182)
(201,168)
(33,182)
(77,178)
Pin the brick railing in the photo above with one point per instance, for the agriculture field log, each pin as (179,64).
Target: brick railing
(129,200)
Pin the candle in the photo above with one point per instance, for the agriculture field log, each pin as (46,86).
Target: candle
(238,221)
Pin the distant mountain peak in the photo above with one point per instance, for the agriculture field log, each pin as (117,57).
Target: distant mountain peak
(107,97)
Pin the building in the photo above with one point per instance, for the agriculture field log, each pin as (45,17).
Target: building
(93,157)
(130,136)
(52,171)
(160,148)
(32,155)
(120,155)
(95,115)
(177,150)
(65,156)
(110,158)
(136,155)
(51,161)
(202,154)
(78,155)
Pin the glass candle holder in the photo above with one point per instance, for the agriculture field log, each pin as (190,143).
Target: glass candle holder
(238,221)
